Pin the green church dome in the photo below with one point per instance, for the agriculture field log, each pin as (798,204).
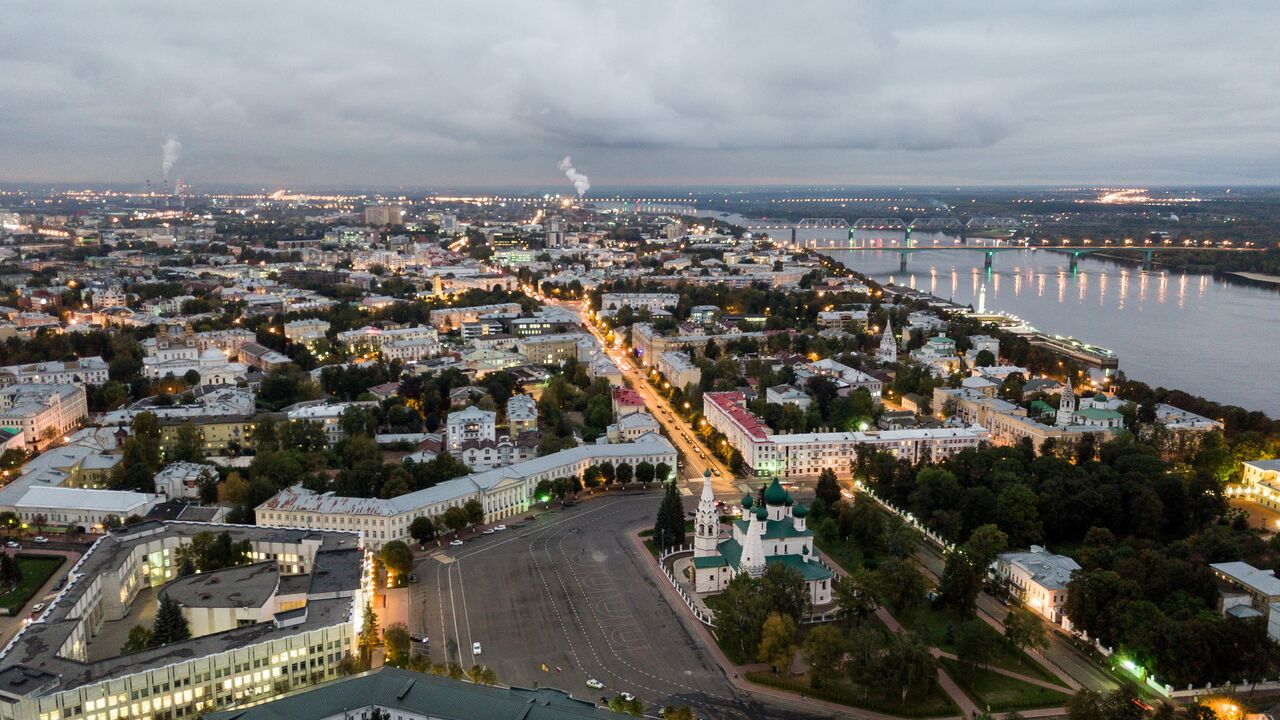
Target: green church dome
(775,495)
(747,501)
(799,511)
(762,514)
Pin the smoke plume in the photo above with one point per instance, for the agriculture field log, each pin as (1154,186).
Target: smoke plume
(580,181)
(172,151)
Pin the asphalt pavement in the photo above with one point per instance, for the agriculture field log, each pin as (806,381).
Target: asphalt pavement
(566,599)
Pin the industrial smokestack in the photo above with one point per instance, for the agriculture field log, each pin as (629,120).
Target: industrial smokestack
(580,182)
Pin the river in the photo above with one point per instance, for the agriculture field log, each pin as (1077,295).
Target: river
(1188,331)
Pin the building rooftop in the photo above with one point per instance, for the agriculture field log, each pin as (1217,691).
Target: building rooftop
(421,695)
(115,501)
(1262,582)
(1046,569)
(36,646)
(242,586)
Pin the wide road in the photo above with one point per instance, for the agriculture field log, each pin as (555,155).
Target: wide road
(696,457)
(570,592)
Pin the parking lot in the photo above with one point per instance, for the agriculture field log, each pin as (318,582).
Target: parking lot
(570,593)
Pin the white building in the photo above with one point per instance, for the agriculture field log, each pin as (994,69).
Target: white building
(328,415)
(639,301)
(81,507)
(678,368)
(85,371)
(630,427)
(787,395)
(44,413)
(470,425)
(504,492)
(808,454)
(182,480)
(768,535)
(1039,578)
(372,339)
(887,353)
(306,331)
(175,351)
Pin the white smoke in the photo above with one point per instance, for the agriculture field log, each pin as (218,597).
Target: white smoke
(580,182)
(172,151)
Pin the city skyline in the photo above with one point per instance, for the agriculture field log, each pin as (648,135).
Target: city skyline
(498,94)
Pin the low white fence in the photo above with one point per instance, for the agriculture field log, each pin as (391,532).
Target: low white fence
(704,615)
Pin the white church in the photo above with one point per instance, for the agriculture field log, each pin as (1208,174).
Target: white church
(768,535)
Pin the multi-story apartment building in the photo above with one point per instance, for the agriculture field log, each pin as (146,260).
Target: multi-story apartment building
(85,371)
(639,301)
(306,331)
(678,369)
(44,412)
(446,319)
(522,414)
(808,454)
(549,349)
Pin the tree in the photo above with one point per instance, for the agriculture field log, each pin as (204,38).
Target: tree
(422,530)
(668,527)
(671,712)
(481,675)
(368,639)
(898,585)
(398,558)
(644,472)
(1116,705)
(827,490)
(741,615)
(632,707)
(170,624)
(907,664)
(778,642)
(1024,629)
(40,521)
(985,544)
(785,590)
(10,570)
(455,518)
(623,473)
(960,583)
(140,638)
(823,649)
(663,472)
(396,637)
(607,472)
(976,644)
(852,594)
(188,446)
(474,510)
(985,358)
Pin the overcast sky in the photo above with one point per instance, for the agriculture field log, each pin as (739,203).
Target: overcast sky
(495,93)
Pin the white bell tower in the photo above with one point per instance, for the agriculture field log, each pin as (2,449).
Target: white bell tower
(706,521)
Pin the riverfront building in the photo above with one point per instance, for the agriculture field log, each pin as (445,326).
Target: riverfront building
(807,454)
(307,590)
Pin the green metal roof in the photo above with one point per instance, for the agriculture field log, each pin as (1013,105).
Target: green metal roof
(429,695)
(778,529)
(710,562)
(810,570)
(1098,414)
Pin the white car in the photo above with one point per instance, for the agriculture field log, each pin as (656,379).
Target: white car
(475,648)
(37,608)
(488,531)
(455,543)
(12,544)
(500,527)
(41,539)
(627,696)
(594,683)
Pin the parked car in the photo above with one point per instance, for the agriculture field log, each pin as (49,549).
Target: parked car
(13,544)
(594,683)
(475,648)
(500,527)
(488,531)
(423,639)
(627,696)
(41,539)
(35,609)
(455,543)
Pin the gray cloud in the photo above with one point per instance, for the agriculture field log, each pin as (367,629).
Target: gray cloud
(662,92)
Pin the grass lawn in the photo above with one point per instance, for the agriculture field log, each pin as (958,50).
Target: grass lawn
(997,693)
(933,703)
(36,569)
(847,554)
(932,624)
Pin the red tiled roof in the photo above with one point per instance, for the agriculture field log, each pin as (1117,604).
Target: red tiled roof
(627,396)
(731,403)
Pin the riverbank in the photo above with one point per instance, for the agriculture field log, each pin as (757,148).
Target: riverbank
(1254,279)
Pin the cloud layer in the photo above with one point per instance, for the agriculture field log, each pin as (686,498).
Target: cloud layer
(494,93)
